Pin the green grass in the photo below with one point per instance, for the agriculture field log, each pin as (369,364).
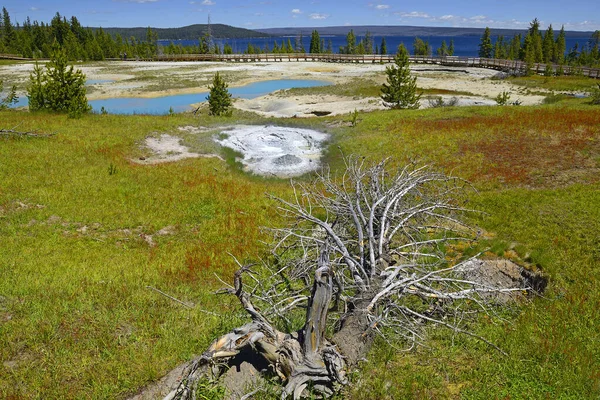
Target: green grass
(555,83)
(77,319)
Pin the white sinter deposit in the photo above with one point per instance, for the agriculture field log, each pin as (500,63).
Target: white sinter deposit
(274,150)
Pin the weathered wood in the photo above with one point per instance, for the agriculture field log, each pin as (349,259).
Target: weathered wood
(457,61)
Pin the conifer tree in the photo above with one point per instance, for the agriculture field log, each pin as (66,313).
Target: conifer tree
(499,48)
(350,43)
(368,43)
(442,51)
(485,46)
(9,35)
(219,98)
(529,56)
(10,98)
(59,88)
(548,46)
(315,42)
(400,91)
(561,47)
(421,47)
(383,47)
(451,48)
(535,42)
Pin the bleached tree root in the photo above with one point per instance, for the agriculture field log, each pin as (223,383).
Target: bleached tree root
(301,359)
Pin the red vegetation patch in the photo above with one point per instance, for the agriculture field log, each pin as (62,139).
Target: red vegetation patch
(533,147)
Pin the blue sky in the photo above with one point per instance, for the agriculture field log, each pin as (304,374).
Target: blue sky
(581,15)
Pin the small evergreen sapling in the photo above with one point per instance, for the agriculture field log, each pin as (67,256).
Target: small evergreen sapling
(59,88)
(10,98)
(219,98)
(400,91)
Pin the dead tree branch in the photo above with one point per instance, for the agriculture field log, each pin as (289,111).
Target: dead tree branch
(14,132)
(363,254)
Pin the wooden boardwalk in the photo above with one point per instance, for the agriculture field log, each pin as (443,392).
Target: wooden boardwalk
(454,61)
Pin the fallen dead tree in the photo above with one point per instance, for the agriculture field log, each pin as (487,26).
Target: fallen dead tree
(363,255)
(14,132)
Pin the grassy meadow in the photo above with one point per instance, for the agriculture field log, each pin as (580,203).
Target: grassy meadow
(84,233)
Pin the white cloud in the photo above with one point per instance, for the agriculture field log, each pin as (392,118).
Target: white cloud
(479,18)
(318,16)
(208,3)
(136,1)
(296,11)
(382,6)
(413,14)
(448,17)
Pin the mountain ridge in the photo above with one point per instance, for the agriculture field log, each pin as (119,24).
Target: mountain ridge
(402,30)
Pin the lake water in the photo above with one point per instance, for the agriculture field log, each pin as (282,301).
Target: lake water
(464,46)
(182,102)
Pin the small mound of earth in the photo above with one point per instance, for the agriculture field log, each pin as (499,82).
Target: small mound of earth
(276,151)
(502,274)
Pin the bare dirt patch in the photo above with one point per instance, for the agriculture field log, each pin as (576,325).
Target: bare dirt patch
(167,148)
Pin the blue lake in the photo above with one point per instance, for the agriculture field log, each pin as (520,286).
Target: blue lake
(182,102)
(465,46)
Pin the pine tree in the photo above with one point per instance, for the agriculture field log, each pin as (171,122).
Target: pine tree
(529,57)
(451,48)
(383,47)
(535,42)
(368,43)
(350,43)
(10,98)
(219,98)
(548,46)
(443,49)
(315,42)
(59,88)
(421,47)
(9,35)
(561,47)
(400,91)
(485,46)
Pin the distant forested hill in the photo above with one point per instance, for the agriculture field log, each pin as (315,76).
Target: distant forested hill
(396,30)
(189,32)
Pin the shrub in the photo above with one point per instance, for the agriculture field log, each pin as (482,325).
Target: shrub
(59,88)
(502,98)
(438,101)
(219,98)
(595,95)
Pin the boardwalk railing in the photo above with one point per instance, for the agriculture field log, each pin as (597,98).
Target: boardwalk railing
(12,57)
(498,64)
(502,65)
